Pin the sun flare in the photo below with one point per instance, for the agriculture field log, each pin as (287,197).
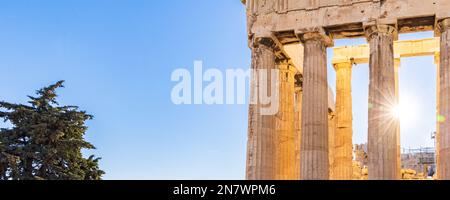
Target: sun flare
(405,111)
(395,112)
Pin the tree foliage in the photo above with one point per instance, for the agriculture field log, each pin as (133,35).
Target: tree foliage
(45,140)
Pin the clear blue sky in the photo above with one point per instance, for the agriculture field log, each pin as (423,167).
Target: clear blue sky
(117,57)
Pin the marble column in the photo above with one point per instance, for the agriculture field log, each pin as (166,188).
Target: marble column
(314,143)
(298,125)
(343,138)
(397,98)
(438,118)
(261,146)
(382,133)
(285,130)
(444,102)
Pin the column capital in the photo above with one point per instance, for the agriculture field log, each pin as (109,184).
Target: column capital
(285,65)
(317,34)
(380,29)
(269,41)
(443,25)
(342,65)
(263,41)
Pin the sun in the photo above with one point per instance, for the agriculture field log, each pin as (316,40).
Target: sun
(396,111)
(406,110)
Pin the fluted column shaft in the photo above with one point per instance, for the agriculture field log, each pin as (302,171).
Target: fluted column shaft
(314,144)
(382,134)
(444,102)
(397,98)
(285,130)
(438,118)
(261,146)
(343,142)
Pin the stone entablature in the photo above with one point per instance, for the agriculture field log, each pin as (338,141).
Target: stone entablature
(405,48)
(341,18)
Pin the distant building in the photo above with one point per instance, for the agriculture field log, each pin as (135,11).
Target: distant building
(422,160)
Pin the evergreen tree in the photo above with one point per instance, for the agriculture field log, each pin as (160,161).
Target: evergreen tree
(45,140)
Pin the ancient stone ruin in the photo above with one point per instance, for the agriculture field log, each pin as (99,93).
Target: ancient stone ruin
(308,138)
